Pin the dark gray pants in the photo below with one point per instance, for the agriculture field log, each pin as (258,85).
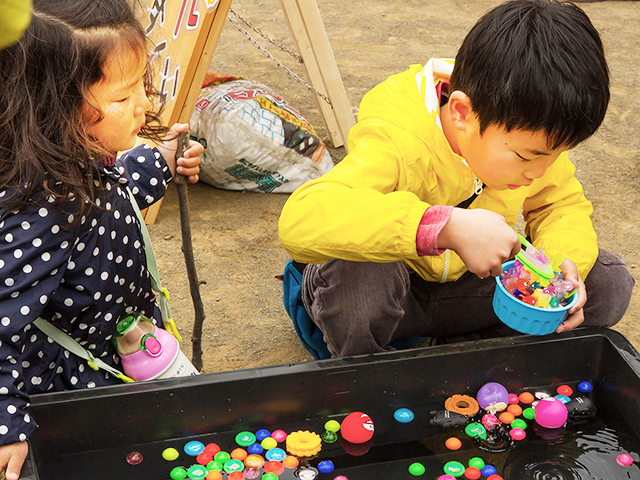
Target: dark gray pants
(361,307)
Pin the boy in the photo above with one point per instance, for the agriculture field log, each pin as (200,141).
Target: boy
(404,236)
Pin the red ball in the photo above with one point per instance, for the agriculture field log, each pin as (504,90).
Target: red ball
(472,473)
(564,390)
(357,427)
(495,476)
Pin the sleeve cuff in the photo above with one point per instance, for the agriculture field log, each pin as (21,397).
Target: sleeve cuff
(431,224)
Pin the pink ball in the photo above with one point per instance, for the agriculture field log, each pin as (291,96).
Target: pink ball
(517,434)
(279,436)
(513,399)
(446,477)
(624,460)
(551,413)
(341,477)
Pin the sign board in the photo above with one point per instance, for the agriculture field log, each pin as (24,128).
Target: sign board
(184,35)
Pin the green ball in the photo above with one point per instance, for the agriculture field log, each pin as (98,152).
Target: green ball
(332,426)
(170,454)
(416,469)
(269,476)
(529,413)
(222,457)
(476,430)
(455,469)
(233,466)
(329,436)
(476,462)
(519,423)
(178,473)
(197,472)
(244,439)
(215,465)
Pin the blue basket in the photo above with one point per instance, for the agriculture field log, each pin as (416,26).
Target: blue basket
(527,318)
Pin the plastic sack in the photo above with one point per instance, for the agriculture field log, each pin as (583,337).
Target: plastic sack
(254,140)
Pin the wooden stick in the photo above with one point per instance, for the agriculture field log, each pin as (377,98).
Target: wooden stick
(187,250)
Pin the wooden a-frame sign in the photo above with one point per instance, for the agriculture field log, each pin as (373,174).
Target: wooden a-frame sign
(185,34)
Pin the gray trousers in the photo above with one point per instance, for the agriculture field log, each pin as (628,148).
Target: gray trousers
(361,307)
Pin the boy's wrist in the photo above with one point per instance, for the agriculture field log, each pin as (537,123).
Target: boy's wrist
(433,221)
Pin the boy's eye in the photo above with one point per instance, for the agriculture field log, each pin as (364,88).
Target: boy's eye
(522,158)
(123,100)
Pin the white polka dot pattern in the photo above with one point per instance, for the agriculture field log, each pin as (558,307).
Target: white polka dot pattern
(75,278)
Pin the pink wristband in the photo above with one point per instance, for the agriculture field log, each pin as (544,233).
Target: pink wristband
(431,224)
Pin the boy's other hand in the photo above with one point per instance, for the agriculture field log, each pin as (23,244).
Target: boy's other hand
(576,313)
(482,239)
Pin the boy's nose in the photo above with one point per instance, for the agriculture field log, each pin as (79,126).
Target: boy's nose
(537,168)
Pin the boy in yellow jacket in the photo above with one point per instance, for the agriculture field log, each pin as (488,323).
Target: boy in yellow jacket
(404,235)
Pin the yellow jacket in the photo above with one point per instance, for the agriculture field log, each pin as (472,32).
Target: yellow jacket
(368,207)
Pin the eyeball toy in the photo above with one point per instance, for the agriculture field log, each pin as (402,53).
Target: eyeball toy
(493,396)
(551,413)
(357,427)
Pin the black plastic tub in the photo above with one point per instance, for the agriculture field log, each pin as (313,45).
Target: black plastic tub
(88,434)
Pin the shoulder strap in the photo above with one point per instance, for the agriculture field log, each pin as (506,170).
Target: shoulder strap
(70,344)
(152,266)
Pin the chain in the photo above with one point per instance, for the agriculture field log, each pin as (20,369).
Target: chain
(275,60)
(267,37)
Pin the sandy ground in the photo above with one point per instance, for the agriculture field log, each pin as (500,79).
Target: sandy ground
(235,234)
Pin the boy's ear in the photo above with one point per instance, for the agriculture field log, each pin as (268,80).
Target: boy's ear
(460,110)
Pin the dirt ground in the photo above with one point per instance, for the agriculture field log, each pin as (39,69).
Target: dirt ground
(235,234)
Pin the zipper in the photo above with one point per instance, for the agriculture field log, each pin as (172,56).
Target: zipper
(478,186)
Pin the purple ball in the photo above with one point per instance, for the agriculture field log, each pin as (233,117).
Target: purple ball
(493,395)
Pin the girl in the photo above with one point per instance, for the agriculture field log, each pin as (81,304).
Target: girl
(73,92)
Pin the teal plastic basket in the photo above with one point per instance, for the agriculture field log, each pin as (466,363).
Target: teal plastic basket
(527,318)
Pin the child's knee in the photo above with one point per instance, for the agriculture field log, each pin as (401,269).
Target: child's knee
(609,288)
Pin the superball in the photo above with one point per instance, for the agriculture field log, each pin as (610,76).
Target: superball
(551,413)
(357,427)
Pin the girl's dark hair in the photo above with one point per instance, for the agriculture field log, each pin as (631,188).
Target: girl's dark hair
(44,81)
(535,65)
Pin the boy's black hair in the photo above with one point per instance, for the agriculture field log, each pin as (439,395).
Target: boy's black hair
(535,65)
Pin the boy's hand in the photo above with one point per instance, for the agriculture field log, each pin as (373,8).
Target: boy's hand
(481,238)
(576,313)
(12,457)
(188,165)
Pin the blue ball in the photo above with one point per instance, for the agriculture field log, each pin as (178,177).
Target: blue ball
(276,454)
(585,387)
(563,398)
(262,434)
(488,470)
(194,448)
(255,449)
(326,466)
(403,415)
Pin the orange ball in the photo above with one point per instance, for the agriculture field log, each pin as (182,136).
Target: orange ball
(515,410)
(526,397)
(214,475)
(290,461)
(472,473)
(453,443)
(236,476)
(506,417)
(239,454)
